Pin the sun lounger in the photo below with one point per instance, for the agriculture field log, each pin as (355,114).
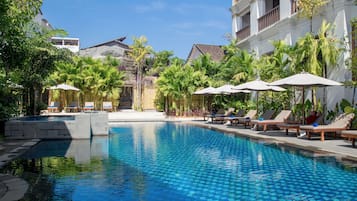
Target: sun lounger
(88,106)
(341,123)
(107,106)
(279,119)
(350,134)
(53,107)
(245,120)
(240,113)
(220,112)
(295,125)
(222,118)
(73,107)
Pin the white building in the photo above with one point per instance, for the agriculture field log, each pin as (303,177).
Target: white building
(64,42)
(258,22)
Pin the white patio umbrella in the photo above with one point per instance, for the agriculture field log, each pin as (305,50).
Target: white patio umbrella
(204,91)
(305,79)
(64,87)
(257,85)
(228,89)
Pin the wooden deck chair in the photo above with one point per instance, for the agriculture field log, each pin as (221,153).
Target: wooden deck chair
(341,123)
(222,118)
(245,120)
(279,119)
(88,106)
(73,107)
(107,106)
(53,107)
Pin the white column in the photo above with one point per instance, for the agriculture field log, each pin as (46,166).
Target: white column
(234,26)
(261,8)
(285,9)
(254,15)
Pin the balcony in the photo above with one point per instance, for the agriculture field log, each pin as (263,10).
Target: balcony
(243,33)
(294,7)
(269,18)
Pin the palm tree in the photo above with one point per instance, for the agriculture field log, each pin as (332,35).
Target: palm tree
(310,8)
(178,83)
(315,54)
(139,51)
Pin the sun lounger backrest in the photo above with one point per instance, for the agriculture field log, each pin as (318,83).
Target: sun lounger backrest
(268,114)
(240,113)
(107,105)
(220,111)
(89,104)
(251,114)
(283,115)
(73,104)
(343,121)
(54,104)
(229,112)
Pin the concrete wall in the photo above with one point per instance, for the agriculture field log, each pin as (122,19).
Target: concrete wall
(81,127)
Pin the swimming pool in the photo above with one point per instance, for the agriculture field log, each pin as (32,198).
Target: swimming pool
(167,161)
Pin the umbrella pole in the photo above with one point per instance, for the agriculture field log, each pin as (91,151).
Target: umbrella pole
(257,102)
(303,105)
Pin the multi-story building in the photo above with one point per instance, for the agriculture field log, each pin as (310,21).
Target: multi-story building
(256,23)
(65,42)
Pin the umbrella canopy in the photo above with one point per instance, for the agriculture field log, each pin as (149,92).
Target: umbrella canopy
(65,87)
(305,79)
(257,85)
(228,89)
(205,91)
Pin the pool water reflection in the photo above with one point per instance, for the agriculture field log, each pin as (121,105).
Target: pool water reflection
(166,161)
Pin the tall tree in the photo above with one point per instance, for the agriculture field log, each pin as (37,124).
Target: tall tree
(161,61)
(310,8)
(139,52)
(179,82)
(97,79)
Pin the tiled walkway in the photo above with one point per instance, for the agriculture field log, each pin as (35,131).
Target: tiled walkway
(13,188)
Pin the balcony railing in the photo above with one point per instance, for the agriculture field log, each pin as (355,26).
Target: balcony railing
(294,7)
(243,33)
(269,18)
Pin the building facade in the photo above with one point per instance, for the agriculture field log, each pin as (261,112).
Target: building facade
(65,42)
(256,23)
(215,51)
(118,49)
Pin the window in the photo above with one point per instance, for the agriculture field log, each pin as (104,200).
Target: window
(246,20)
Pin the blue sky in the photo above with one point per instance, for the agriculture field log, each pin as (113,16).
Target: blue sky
(167,24)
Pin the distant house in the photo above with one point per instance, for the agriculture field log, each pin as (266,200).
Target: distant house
(215,51)
(115,48)
(64,42)
(118,49)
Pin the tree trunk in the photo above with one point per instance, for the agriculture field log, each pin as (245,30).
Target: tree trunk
(354,94)
(166,104)
(138,87)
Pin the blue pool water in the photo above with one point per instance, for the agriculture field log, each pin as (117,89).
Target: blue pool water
(166,161)
(46,118)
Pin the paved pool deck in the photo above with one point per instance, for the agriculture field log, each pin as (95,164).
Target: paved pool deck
(13,188)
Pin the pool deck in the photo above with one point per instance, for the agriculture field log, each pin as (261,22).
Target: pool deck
(12,188)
